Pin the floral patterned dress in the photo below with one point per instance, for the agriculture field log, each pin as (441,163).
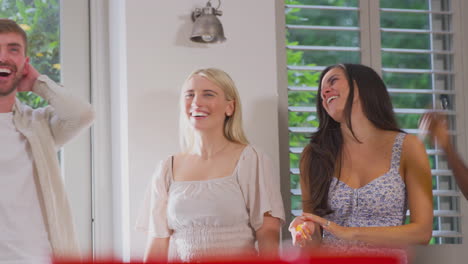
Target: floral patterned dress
(381,202)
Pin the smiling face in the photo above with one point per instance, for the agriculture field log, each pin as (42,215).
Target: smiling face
(334,92)
(206,105)
(12,62)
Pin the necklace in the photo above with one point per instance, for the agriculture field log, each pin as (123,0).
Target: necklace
(219,151)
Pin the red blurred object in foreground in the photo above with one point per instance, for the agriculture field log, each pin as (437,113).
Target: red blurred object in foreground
(326,259)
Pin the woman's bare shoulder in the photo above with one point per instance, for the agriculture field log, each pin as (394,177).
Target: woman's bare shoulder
(414,153)
(413,145)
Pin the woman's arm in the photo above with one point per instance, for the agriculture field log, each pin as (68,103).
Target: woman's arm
(268,236)
(459,169)
(417,175)
(152,218)
(157,250)
(436,124)
(311,230)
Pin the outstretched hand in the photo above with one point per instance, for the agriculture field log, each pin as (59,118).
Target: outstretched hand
(30,75)
(436,124)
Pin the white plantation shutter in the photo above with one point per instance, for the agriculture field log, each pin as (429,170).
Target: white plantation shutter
(410,43)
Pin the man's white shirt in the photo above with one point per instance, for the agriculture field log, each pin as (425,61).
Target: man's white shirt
(23,234)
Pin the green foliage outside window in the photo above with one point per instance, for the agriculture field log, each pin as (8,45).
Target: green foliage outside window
(41,21)
(299,79)
(315,17)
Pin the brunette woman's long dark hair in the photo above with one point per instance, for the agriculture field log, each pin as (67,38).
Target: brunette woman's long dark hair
(321,158)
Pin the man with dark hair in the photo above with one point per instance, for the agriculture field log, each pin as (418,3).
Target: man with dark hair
(35,216)
(436,124)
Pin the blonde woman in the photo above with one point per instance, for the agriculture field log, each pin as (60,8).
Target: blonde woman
(219,195)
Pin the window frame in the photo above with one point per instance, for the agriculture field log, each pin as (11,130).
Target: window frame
(111,220)
(369,19)
(76,156)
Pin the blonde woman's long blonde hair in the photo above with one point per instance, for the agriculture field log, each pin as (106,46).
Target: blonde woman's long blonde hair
(233,129)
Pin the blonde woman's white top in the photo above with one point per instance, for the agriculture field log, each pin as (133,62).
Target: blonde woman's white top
(215,217)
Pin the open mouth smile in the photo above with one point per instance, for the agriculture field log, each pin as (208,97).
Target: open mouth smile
(5,72)
(198,114)
(331,98)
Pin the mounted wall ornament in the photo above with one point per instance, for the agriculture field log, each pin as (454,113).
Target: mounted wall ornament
(206,27)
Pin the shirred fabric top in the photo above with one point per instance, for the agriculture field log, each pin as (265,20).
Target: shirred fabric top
(212,217)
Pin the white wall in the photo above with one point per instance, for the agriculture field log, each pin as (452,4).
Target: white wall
(160,56)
